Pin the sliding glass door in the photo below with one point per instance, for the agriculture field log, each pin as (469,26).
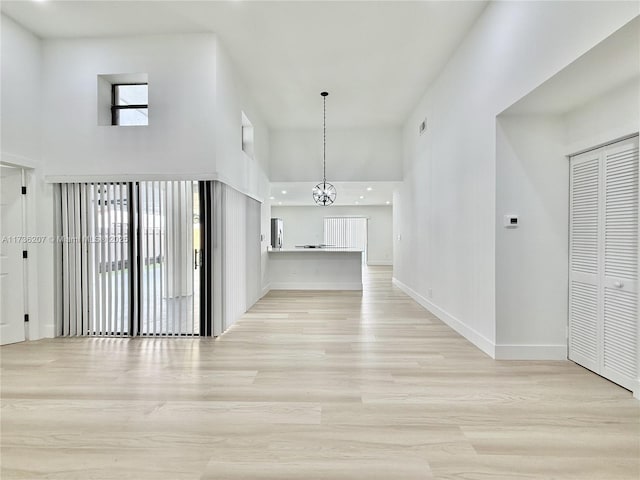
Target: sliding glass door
(169,257)
(130,259)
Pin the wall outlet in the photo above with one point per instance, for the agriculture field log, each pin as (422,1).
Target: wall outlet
(511,221)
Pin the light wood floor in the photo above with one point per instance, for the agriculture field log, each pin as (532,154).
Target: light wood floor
(309,386)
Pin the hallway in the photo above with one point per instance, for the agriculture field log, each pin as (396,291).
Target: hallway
(309,385)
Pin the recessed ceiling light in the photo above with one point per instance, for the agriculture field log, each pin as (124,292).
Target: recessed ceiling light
(388,202)
(279,203)
(357,203)
(272,198)
(361,197)
(369,189)
(284,192)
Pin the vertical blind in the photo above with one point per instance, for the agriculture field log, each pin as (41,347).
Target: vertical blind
(241,254)
(155,258)
(93,253)
(346,232)
(168,237)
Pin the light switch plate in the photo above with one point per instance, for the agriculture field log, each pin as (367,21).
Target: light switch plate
(511,221)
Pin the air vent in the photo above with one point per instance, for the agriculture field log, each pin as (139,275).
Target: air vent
(423,126)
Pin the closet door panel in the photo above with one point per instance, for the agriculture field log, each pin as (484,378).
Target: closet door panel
(620,282)
(584,331)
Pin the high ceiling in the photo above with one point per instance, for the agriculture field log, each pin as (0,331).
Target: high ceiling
(375,57)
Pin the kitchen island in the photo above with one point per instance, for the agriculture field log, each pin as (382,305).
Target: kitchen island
(315,269)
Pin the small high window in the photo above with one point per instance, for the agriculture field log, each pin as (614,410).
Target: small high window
(247,136)
(130,104)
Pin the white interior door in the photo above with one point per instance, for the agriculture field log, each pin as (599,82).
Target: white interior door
(603,269)
(11,261)
(584,260)
(620,282)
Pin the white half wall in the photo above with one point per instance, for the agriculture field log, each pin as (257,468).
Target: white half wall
(445,226)
(305,225)
(353,154)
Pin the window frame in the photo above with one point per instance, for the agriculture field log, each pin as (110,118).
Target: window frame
(115,109)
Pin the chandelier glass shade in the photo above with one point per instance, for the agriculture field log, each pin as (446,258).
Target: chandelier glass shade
(324,193)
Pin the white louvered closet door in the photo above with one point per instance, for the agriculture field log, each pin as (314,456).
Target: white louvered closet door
(603,303)
(620,335)
(584,272)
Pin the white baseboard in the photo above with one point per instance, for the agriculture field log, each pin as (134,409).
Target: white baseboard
(265,290)
(48,330)
(316,286)
(531,352)
(379,263)
(479,340)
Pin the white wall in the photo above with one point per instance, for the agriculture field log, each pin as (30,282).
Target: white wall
(21,101)
(235,168)
(305,225)
(246,174)
(180,137)
(195,105)
(532,182)
(20,116)
(446,207)
(605,118)
(49,93)
(353,154)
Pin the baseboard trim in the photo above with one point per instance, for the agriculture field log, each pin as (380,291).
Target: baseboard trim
(381,263)
(48,330)
(316,286)
(531,352)
(265,290)
(479,340)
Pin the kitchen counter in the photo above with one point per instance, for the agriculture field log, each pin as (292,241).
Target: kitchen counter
(315,269)
(323,249)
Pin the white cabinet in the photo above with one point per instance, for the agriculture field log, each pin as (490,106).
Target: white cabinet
(603,265)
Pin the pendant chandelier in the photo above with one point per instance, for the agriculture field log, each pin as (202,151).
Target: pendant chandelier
(324,193)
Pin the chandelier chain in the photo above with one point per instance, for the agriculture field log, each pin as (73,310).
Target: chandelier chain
(324,193)
(324,139)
